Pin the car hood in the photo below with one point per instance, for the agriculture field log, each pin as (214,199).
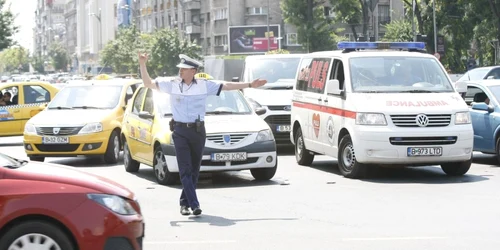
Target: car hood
(38,171)
(408,102)
(76,117)
(270,97)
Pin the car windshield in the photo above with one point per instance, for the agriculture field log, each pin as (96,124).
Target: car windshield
(228,102)
(87,97)
(9,162)
(475,74)
(272,69)
(390,74)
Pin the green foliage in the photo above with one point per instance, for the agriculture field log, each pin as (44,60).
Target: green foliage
(163,47)
(348,12)
(59,56)
(277,51)
(14,59)
(7,27)
(398,31)
(38,63)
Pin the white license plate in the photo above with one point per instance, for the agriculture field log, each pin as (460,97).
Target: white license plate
(425,151)
(55,140)
(229,156)
(284,128)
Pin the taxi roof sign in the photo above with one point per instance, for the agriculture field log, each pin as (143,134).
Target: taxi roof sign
(381,45)
(102,77)
(203,76)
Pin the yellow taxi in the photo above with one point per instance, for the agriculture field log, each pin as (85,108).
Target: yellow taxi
(83,119)
(22,100)
(237,138)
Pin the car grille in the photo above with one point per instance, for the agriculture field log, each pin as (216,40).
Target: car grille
(280,108)
(233,138)
(233,163)
(435,120)
(413,141)
(278,119)
(62,130)
(282,137)
(57,148)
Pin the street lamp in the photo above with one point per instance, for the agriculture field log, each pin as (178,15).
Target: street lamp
(98,17)
(268,36)
(434,21)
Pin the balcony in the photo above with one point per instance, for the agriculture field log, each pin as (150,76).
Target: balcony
(193,29)
(191,4)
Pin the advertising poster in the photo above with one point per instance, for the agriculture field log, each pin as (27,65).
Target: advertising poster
(253,39)
(123,13)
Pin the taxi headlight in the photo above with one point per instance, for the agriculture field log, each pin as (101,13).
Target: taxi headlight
(462,118)
(370,119)
(30,129)
(114,203)
(264,135)
(91,128)
(255,105)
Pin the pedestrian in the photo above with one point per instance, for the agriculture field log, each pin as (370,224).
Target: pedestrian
(188,102)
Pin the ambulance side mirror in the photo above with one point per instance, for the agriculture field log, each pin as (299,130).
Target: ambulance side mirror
(333,87)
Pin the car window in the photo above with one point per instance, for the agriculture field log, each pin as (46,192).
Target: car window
(496,92)
(228,101)
(12,91)
(494,74)
(148,102)
(35,94)
(474,94)
(398,74)
(139,98)
(313,74)
(477,74)
(95,96)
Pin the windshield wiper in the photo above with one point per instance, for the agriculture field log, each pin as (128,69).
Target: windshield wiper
(87,107)
(167,114)
(220,112)
(60,107)
(418,91)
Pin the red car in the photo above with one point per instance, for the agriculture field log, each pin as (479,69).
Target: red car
(45,206)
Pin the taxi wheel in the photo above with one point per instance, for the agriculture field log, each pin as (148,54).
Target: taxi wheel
(130,164)
(457,168)
(113,151)
(35,235)
(348,165)
(162,175)
(303,156)
(264,174)
(37,158)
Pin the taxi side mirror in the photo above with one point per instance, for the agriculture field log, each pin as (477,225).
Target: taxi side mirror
(260,111)
(43,106)
(333,87)
(146,115)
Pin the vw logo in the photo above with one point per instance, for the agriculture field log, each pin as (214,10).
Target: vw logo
(422,120)
(287,108)
(227,139)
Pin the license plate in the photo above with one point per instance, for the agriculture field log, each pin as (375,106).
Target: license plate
(284,128)
(229,156)
(425,151)
(55,140)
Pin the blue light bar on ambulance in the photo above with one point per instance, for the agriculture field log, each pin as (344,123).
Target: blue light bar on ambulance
(381,45)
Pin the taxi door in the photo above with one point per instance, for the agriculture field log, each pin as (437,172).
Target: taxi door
(131,122)
(10,115)
(31,98)
(146,120)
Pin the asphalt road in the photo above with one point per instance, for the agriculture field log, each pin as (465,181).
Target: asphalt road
(316,208)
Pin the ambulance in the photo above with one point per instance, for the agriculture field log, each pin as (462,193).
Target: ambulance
(384,104)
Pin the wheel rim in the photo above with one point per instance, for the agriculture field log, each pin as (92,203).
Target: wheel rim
(300,146)
(126,153)
(116,145)
(160,165)
(34,242)
(348,157)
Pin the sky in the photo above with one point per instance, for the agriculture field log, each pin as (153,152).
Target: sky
(25,9)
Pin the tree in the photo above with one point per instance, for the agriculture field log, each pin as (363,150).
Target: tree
(314,30)
(38,64)
(348,12)
(7,27)
(59,56)
(398,31)
(15,59)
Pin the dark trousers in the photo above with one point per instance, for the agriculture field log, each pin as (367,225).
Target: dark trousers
(189,146)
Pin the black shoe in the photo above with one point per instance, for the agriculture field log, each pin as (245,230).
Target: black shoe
(185,210)
(197,211)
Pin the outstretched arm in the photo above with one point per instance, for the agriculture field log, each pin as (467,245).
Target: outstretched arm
(146,79)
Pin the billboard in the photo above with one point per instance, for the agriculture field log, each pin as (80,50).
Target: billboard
(123,8)
(253,39)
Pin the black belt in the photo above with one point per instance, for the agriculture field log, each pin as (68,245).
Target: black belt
(188,125)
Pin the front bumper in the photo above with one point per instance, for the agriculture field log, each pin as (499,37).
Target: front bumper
(372,145)
(88,144)
(258,155)
(275,119)
(96,227)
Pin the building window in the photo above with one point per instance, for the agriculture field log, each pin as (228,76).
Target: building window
(220,40)
(257,11)
(291,39)
(384,14)
(221,14)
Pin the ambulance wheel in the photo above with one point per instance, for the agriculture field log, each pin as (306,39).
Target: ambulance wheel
(456,168)
(113,150)
(37,158)
(162,175)
(303,156)
(264,174)
(348,165)
(130,164)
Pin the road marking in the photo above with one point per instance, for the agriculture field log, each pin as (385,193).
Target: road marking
(393,238)
(189,242)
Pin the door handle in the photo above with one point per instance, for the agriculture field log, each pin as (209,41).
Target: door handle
(326,100)
(319,99)
(16,111)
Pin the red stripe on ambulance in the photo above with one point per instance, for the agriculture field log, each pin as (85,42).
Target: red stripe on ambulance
(321,108)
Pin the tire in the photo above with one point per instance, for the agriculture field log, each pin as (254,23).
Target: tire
(264,174)
(37,158)
(130,164)
(113,150)
(498,149)
(457,168)
(33,232)
(348,165)
(162,175)
(303,156)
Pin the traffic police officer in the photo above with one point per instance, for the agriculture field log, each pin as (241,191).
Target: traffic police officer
(188,101)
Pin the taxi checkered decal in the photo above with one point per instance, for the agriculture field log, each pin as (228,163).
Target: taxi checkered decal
(23,105)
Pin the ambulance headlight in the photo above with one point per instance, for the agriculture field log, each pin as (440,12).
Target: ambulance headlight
(462,118)
(370,119)
(29,129)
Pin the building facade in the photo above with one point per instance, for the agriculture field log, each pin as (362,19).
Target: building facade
(71,33)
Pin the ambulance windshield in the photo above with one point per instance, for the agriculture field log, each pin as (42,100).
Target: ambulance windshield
(386,74)
(272,69)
